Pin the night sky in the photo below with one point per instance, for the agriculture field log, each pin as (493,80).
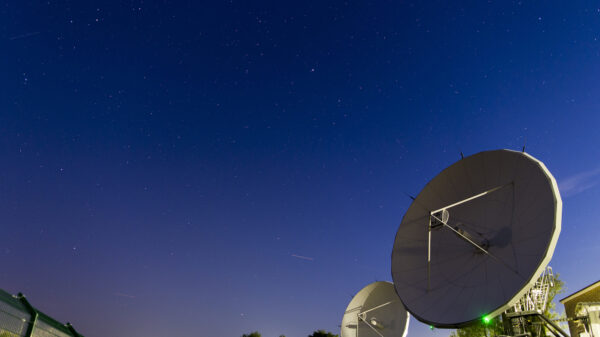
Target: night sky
(210,169)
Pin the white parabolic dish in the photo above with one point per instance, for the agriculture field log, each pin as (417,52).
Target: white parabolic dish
(476,238)
(375,311)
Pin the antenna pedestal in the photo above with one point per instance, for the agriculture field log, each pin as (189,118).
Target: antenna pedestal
(530,323)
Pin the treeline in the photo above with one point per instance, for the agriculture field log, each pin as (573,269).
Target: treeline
(318,333)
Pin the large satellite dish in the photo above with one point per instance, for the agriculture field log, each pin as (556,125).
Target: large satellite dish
(375,311)
(476,238)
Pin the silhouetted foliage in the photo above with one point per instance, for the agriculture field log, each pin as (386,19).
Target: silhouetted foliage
(322,333)
(252,334)
(479,329)
(4,333)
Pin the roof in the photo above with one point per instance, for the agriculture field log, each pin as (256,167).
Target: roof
(26,312)
(581,291)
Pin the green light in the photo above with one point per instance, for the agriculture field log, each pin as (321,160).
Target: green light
(431,327)
(486,319)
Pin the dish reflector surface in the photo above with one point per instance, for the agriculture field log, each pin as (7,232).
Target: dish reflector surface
(375,311)
(476,238)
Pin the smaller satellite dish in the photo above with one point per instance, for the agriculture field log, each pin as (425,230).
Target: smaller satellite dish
(375,311)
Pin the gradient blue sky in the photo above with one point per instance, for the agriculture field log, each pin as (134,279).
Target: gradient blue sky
(164,163)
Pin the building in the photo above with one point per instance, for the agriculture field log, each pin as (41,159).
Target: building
(583,311)
(18,318)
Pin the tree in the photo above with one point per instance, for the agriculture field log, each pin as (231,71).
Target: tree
(488,327)
(322,333)
(252,334)
(493,327)
(557,288)
(4,333)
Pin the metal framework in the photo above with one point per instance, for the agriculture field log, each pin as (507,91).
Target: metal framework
(526,317)
(530,323)
(373,323)
(537,297)
(440,217)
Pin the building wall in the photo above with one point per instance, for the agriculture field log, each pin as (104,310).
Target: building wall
(592,295)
